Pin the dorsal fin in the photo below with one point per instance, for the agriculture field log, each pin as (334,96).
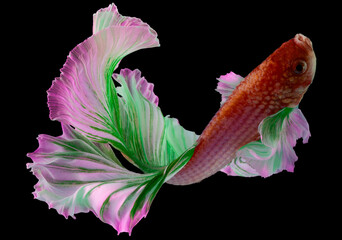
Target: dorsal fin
(226,85)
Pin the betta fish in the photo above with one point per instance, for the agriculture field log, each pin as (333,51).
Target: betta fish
(252,134)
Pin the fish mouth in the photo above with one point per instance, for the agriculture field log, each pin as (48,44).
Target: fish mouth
(303,42)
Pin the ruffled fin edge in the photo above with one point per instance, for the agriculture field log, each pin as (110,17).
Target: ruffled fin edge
(78,171)
(77,175)
(274,152)
(227,84)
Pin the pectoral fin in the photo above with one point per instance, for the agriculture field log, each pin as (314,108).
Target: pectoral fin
(274,152)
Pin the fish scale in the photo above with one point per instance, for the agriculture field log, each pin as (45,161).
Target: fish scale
(213,152)
(269,88)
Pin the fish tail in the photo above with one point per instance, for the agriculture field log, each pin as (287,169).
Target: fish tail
(78,171)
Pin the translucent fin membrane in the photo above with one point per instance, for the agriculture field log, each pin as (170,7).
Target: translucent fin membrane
(153,140)
(226,85)
(274,152)
(78,171)
(77,175)
(84,95)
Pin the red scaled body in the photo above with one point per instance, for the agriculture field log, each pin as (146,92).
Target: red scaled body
(280,81)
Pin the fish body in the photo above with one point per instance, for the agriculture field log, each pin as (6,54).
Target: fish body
(278,82)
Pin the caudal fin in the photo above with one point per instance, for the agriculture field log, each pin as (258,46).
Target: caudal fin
(78,171)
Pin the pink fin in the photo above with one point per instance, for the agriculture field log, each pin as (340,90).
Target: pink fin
(84,95)
(226,85)
(143,86)
(274,152)
(76,175)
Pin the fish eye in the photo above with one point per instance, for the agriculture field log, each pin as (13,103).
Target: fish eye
(299,67)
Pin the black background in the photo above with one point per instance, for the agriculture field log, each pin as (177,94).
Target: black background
(199,42)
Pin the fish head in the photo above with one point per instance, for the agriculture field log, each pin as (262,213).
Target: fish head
(295,63)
